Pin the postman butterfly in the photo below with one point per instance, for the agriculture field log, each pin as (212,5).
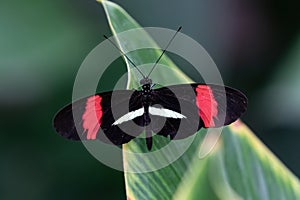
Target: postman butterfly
(176,111)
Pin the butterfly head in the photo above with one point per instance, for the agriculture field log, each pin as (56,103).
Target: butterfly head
(146,86)
(146,81)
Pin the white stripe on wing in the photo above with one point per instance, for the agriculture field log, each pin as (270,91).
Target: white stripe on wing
(163,112)
(129,116)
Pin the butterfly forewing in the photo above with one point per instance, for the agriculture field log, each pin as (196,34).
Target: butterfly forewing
(231,104)
(85,118)
(207,106)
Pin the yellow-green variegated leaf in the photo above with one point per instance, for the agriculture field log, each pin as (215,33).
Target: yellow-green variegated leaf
(240,166)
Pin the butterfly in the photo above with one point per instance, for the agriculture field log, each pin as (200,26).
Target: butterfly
(176,111)
(189,106)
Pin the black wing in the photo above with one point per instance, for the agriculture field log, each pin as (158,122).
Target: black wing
(203,105)
(83,119)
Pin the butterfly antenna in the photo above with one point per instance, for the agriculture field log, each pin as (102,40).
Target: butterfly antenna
(164,51)
(123,54)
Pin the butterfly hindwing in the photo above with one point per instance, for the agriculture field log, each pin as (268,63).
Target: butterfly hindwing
(181,100)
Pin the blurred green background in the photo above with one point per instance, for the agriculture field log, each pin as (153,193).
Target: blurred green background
(255,44)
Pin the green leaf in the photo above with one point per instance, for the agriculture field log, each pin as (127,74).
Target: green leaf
(240,167)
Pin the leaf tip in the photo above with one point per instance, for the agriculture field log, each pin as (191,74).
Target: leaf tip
(100,1)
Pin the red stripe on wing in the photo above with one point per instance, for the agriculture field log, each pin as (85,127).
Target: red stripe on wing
(92,116)
(207,105)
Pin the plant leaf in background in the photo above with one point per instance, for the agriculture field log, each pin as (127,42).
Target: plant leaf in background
(240,167)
